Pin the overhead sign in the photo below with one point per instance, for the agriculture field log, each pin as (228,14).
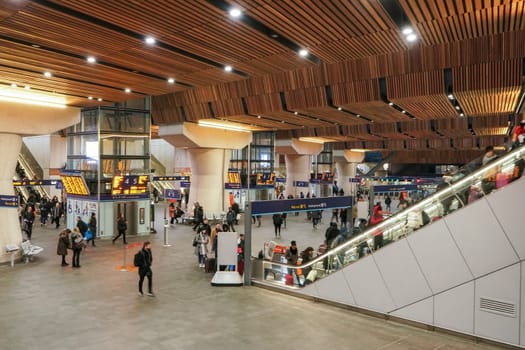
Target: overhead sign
(171,178)
(300,204)
(392,188)
(265,179)
(75,184)
(35,182)
(301,183)
(172,194)
(234,181)
(129,184)
(8,201)
(185,184)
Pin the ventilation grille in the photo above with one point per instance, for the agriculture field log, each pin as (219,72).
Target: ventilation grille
(497,306)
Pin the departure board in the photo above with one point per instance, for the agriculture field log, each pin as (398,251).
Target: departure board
(265,178)
(74,184)
(129,184)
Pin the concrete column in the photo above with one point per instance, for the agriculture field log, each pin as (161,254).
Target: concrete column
(10,232)
(345,171)
(208,174)
(298,168)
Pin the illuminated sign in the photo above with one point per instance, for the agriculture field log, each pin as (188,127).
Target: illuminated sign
(234,180)
(265,178)
(74,184)
(129,184)
(9,201)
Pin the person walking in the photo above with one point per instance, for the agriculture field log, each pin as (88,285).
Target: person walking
(29,218)
(201,241)
(77,242)
(277,222)
(230,219)
(63,245)
(92,227)
(171,209)
(56,213)
(144,266)
(122,226)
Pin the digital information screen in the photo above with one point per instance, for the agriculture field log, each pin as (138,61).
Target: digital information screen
(74,184)
(129,184)
(234,180)
(265,178)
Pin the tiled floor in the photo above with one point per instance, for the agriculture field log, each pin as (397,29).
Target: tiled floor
(46,306)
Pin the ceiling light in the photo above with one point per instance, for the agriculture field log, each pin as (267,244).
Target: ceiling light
(127,90)
(90,97)
(171,80)
(27,87)
(457,107)
(339,109)
(258,117)
(14,85)
(358,115)
(275,36)
(390,103)
(150,40)
(99,99)
(407,31)
(296,113)
(450,96)
(218,124)
(48,74)
(303,53)
(461,114)
(228,68)
(411,37)
(283,122)
(314,139)
(91,59)
(403,111)
(35,46)
(235,12)
(31,98)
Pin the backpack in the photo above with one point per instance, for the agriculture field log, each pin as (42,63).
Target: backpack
(138,259)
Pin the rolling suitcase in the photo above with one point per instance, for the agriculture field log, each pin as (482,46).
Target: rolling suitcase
(289,280)
(209,265)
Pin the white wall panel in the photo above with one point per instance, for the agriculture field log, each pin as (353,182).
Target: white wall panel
(368,287)
(336,289)
(507,205)
(480,238)
(422,311)
(401,273)
(454,309)
(522,303)
(310,290)
(436,252)
(504,286)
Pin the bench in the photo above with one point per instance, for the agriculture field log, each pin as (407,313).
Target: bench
(29,250)
(11,249)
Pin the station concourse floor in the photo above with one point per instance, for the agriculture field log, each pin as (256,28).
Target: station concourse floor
(46,306)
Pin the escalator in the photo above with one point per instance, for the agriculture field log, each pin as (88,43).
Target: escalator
(463,270)
(28,168)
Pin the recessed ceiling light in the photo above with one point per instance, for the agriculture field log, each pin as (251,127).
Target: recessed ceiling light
(99,99)
(90,97)
(403,111)
(27,87)
(91,59)
(358,115)
(450,96)
(390,103)
(48,74)
(14,85)
(457,107)
(35,46)
(303,53)
(235,12)
(282,121)
(461,114)
(171,80)
(339,108)
(127,90)
(411,37)
(258,117)
(407,31)
(295,113)
(228,68)
(275,36)
(150,40)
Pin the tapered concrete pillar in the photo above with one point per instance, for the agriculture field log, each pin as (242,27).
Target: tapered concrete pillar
(21,119)
(208,174)
(298,168)
(344,172)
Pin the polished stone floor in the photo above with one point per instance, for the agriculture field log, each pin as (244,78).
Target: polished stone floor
(46,306)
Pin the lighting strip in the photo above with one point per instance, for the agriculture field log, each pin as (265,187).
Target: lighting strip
(216,125)
(30,101)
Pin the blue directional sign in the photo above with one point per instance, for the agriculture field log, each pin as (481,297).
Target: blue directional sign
(8,201)
(300,204)
(172,194)
(301,183)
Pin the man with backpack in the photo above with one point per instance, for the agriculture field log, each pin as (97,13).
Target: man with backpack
(143,260)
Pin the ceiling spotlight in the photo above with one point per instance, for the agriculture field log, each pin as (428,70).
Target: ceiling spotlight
(461,114)
(450,96)
(27,87)
(228,68)
(282,121)
(296,113)
(90,97)
(35,46)
(407,31)
(339,109)
(411,37)
(258,117)
(390,103)
(14,85)
(99,99)
(275,36)
(127,90)
(150,40)
(457,107)
(91,59)
(235,12)
(303,53)
(358,115)
(171,80)
(48,74)
(403,111)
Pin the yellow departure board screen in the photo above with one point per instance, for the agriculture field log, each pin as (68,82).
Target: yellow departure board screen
(75,184)
(129,184)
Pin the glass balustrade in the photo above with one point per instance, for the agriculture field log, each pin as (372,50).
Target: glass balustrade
(470,183)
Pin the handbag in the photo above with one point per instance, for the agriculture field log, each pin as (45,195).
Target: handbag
(88,235)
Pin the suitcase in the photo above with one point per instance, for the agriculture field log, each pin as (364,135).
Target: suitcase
(289,280)
(210,265)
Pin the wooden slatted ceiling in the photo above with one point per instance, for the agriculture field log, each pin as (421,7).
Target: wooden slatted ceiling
(387,130)
(488,88)
(449,21)
(264,122)
(453,127)
(333,115)
(491,125)
(332,30)
(418,128)
(436,156)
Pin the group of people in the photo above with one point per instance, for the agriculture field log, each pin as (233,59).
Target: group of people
(76,240)
(48,209)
